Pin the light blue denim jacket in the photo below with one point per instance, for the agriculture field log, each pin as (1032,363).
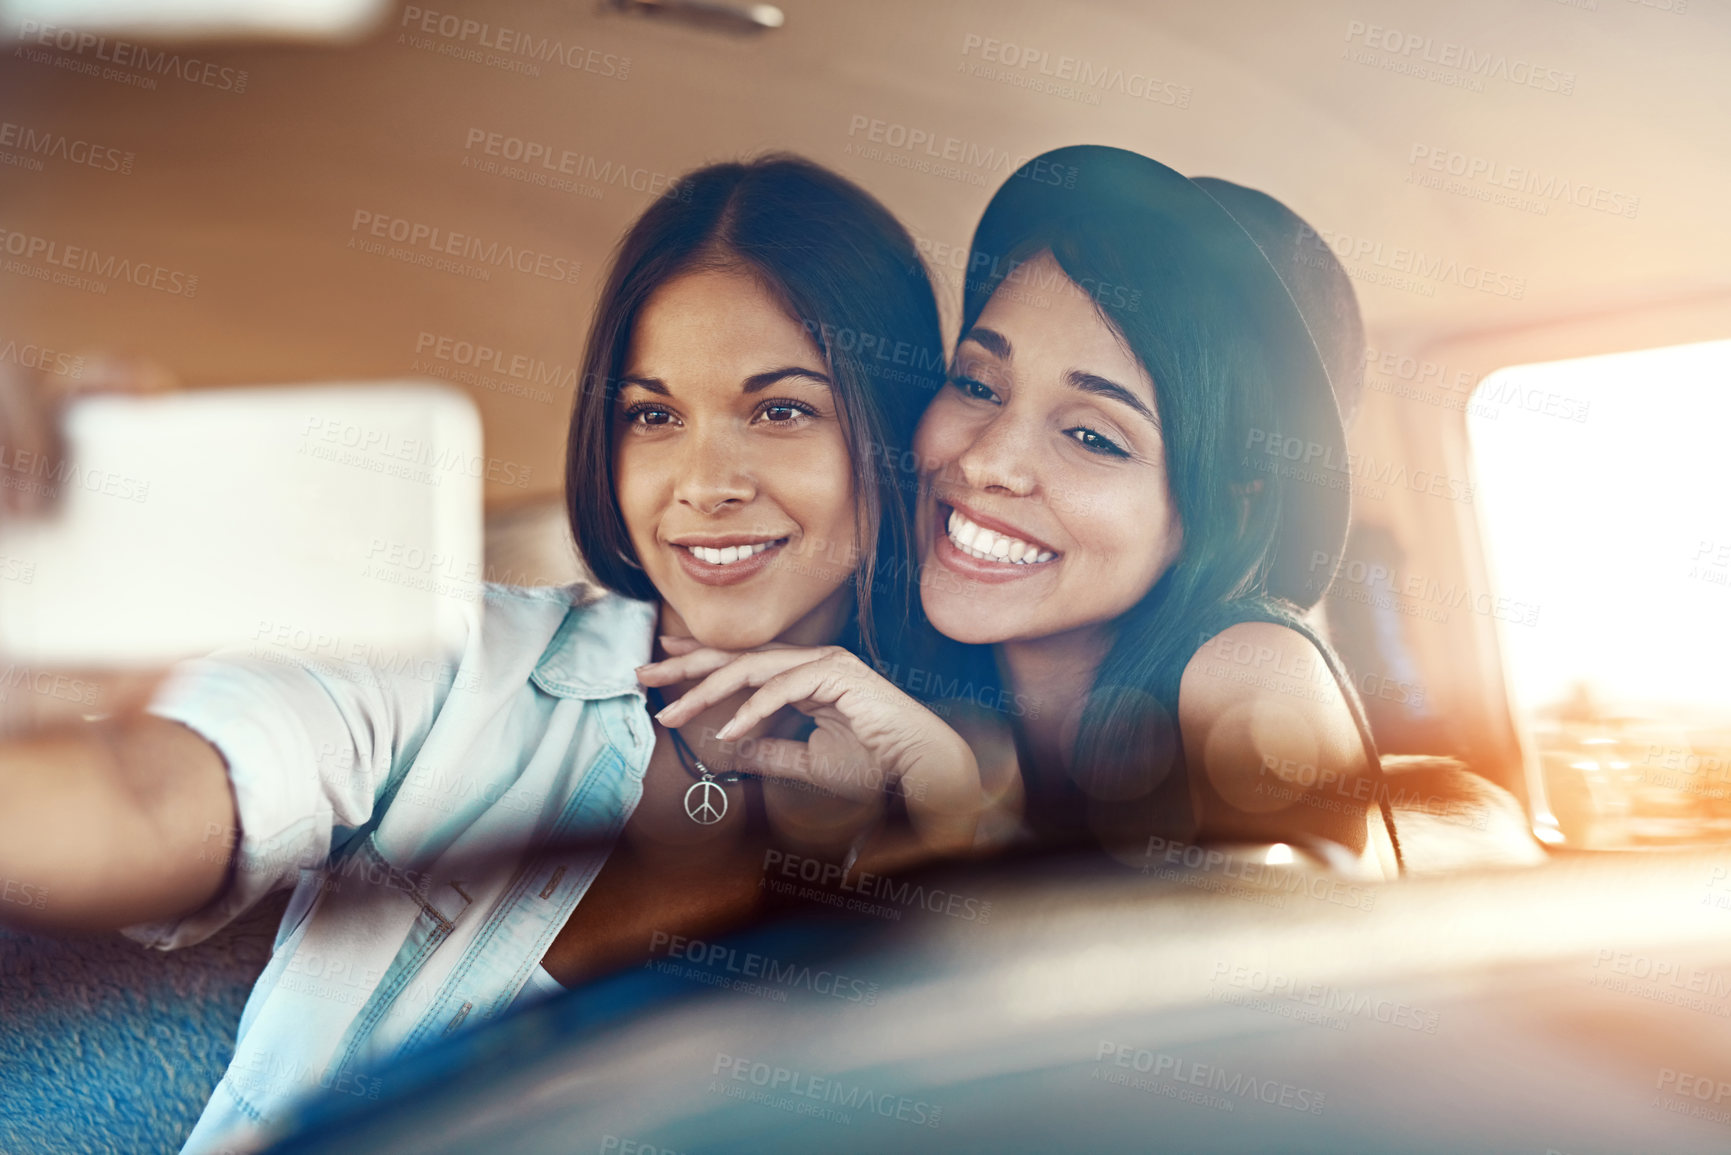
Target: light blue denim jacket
(369,791)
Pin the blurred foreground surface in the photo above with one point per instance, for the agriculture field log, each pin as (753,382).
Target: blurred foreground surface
(1577,1007)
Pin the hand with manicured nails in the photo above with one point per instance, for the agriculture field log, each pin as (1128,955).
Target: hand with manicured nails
(870,736)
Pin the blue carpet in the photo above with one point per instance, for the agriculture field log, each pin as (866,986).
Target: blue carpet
(106,1046)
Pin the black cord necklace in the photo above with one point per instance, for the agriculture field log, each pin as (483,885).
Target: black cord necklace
(705,800)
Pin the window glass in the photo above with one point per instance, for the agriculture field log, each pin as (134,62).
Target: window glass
(1604,499)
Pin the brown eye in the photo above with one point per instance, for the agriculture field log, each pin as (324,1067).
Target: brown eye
(646,414)
(976,390)
(784,411)
(1096,442)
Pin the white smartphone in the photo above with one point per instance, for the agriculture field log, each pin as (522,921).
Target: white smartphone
(336,523)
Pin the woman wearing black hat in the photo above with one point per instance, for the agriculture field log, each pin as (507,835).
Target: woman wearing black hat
(1132,487)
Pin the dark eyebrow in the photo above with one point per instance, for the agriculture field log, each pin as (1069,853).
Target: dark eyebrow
(756,383)
(994,342)
(1100,387)
(999,345)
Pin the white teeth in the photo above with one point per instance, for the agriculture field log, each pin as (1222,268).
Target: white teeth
(961,529)
(978,541)
(730,554)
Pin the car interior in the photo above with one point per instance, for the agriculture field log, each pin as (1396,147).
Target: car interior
(1534,600)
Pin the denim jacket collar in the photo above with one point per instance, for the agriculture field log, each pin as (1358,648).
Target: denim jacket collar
(584,658)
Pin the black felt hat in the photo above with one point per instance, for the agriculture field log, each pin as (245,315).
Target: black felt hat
(1095,187)
(1313,275)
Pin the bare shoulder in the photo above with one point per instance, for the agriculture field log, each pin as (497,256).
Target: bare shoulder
(1262,716)
(1259,689)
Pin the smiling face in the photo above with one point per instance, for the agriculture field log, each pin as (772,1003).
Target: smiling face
(731,465)
(1045,508)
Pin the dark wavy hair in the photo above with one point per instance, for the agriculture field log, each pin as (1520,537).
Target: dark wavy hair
(1216,380)
(846,270)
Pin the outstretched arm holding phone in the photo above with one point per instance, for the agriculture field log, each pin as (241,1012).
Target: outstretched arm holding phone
(101,821)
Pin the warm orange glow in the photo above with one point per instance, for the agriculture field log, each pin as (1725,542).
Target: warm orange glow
(1602,498)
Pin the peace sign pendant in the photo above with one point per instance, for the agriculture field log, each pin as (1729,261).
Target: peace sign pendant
(706,802)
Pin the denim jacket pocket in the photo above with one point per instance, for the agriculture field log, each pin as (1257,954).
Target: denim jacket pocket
(336,968)
(437,908)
